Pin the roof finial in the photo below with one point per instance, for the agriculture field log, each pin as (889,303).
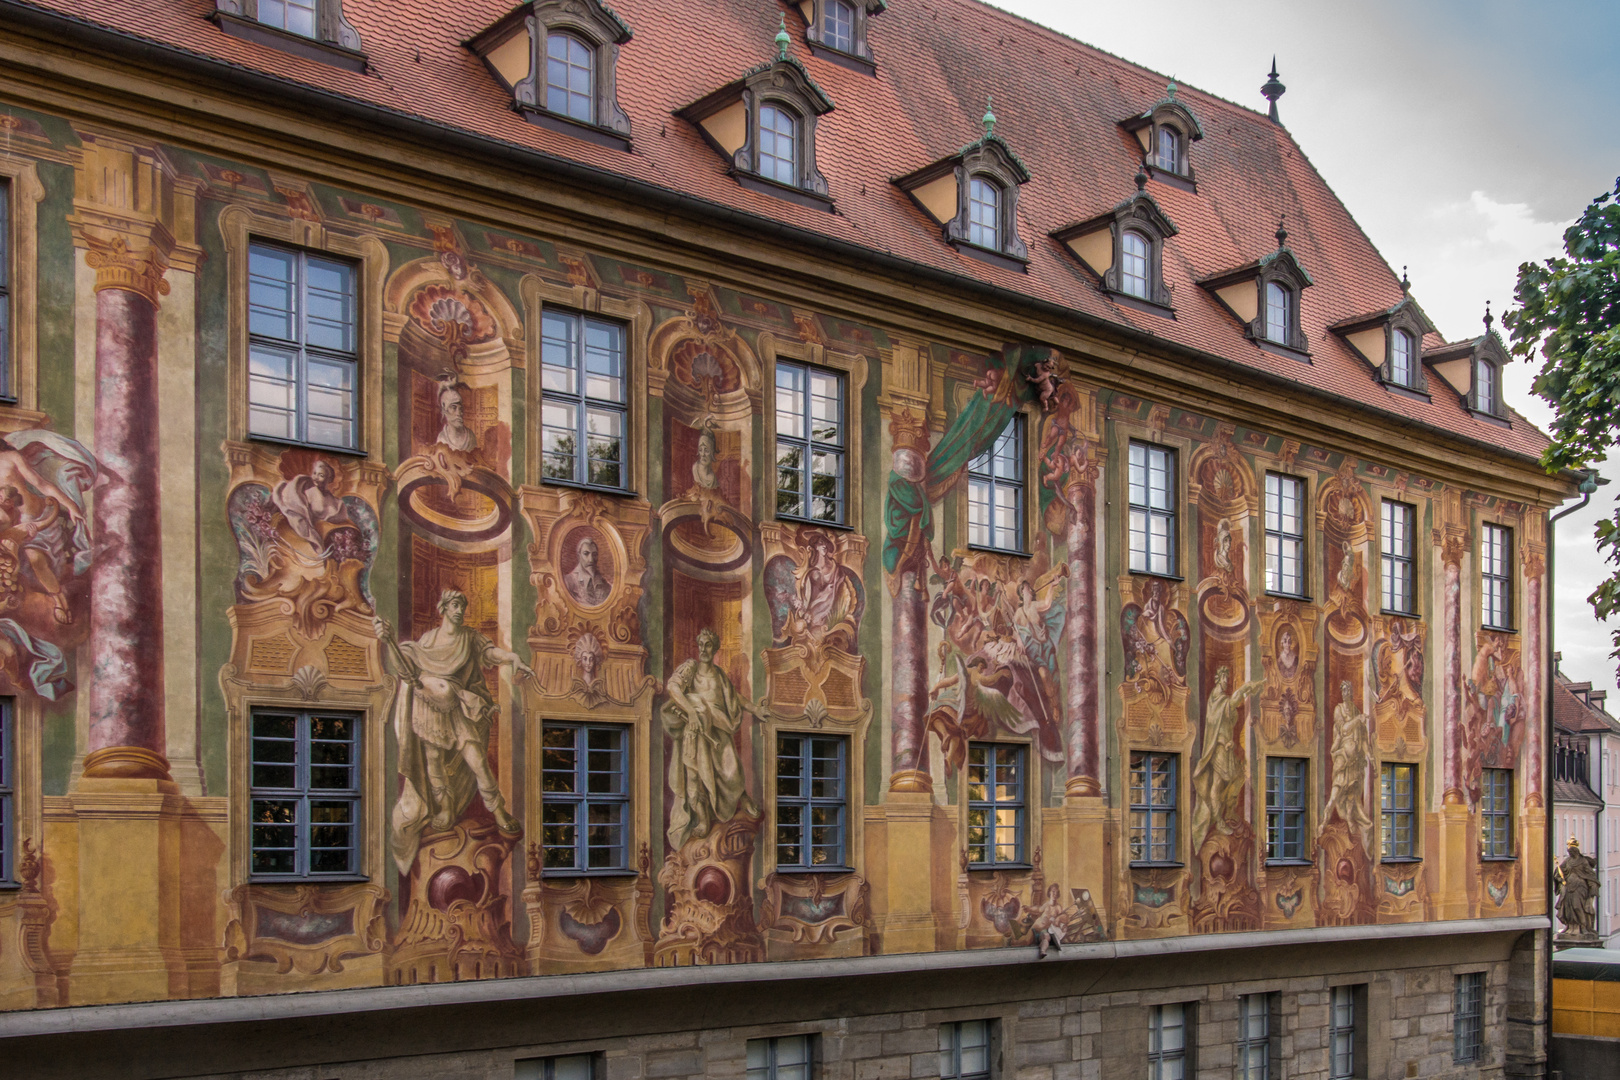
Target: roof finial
(989,118)
(1406,285)
(1282,233)
(1170,91)
(1141,178)
(1273,89)
(1488,319)
(782,40)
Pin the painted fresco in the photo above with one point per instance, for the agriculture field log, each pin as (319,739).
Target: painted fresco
(432,586)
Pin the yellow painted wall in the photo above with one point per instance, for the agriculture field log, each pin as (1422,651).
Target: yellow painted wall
(1095,249)
(728,127)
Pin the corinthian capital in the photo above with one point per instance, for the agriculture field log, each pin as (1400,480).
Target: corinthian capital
(117,267)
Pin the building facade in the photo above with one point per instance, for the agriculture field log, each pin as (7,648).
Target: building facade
(658,541)
(1586,797)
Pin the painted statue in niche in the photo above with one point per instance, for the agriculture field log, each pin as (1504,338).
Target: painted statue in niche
(442,714)
(999,647)
(1347,797)
(582,569)
(814,600)
(1156,640)
(303,545)
(702,716)
(1222,771)
(1493,710)
(44,556)
(453,430)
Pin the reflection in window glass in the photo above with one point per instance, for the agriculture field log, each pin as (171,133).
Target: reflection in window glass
(570,78)
(302,353)
(1153,807)
(778,145)
(1278,315)
(995,779)
(1153,508)
(585,797)
(996,492)
(293,16)
(810,444)
(984,214)
(583,417)
(810,801)
(304,781)
(1168,157)
(1133,278)
(1400,359)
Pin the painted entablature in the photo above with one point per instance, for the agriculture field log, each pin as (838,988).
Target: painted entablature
(442,567)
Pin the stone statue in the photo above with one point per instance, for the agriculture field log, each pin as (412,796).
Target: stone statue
(1220,775)
(1350,744)
(702,716)
(1576,882)
(442,714)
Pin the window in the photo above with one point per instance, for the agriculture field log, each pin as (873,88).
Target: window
(1495,571)
(293,16)
(1168,157)
(1278,314)
(1399,570)
(1347,1045)
(1133,279)
(585,797)
(996,803)
(1285,534)
(1153,508)
(1399,801)
(571,1067)
(1496,814)
(810,443)
(838,26)
(8,800)
(996,492)
(1285,808)
(303,365)
(305,795)
(984,214)
(1254,1036)
(582,401)
(1468,1024)
(810,800)
(778,145)
(1153,807)
(1400,359)
(786,1057)
(5,289)
(1485,387)
(964,1050)
(571,78)
(1169,1040)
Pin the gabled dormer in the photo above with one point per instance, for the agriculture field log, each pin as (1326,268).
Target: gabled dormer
(836,30)
(1473,368)
(1265,296)
(973,196)
(559,60)
(1124,247)
(1391,342)
(1166,131)
(313,29)
(764,126)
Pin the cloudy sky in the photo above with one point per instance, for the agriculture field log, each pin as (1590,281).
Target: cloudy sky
(1464,135)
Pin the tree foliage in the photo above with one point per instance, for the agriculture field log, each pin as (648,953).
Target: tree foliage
(1569,309)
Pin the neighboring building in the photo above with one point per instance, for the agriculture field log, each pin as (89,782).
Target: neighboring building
(557,541)
(1586,796)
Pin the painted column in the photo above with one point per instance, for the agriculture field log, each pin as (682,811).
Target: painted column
(908,687)
(1535,568)
(1083,739)
(1451,669)
(126,737)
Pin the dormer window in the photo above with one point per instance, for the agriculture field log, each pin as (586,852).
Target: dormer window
(1165,131)
(313,29)
(1473,368)
(1401,357)
(1391,341)
(571,78)
(764,126)
(1485,388)
(973,196)
(1265,296)
(559,58)
(836,30)
(1125,249)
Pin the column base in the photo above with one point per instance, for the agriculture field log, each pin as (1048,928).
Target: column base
(911,847)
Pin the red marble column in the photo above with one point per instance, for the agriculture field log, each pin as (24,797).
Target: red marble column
(1082,683)
(1451,673)
(1534,678)
(125,682)
(909,769)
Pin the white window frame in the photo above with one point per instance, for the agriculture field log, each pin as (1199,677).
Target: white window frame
(812,447)
(1496,576)
(1145,459)
(1285,535)
(1001,471)
(984,229)
(566,88)
(1277,331)
(795,125)
(1402,353)
(1397,557)
(583,402)
(1135,267)
(300,352)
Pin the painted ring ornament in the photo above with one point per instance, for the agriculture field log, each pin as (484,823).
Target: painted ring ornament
(490,525)
(1224,612)
(726,548)
(1347,628)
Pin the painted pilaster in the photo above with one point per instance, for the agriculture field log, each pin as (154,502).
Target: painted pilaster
(1457,833)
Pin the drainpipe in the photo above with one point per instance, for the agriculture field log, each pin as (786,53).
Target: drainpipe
(1589,484)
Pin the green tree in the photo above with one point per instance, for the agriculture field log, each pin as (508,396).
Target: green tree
(1569,309)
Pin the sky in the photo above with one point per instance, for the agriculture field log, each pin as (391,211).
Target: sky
(1463,135)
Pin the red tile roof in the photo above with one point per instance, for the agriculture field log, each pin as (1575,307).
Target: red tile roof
(1058,102)
(1575,713)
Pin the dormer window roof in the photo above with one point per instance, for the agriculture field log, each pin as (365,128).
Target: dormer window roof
(559,60)
(1124,248)
(1166,130)
(313,29)
(973,196)
(1391,342)
(764,125)
(1264,296)
(1473,368)
(836,30)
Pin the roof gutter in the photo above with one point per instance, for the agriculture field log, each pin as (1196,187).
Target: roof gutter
(58,27)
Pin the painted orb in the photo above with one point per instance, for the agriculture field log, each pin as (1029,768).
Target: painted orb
(1345,871)
(1221,866)
(451,884)
(712,885)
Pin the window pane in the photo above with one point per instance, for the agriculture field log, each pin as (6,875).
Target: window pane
(1134,266)
(272,277)
(838,26)
(984,214)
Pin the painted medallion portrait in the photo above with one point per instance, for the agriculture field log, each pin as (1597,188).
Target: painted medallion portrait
(586,566)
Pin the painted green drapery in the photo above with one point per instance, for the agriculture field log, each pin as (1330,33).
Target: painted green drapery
(908,511)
